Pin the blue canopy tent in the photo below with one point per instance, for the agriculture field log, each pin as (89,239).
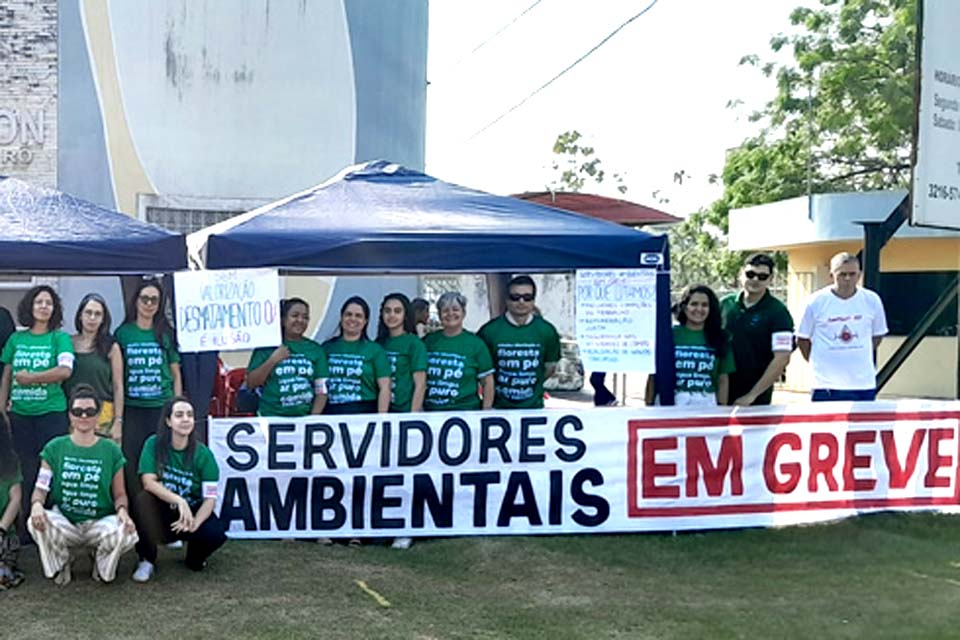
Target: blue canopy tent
(379,217)
(46,231)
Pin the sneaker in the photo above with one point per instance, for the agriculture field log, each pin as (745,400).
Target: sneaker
(326,542)
(176,544)
(402,543)
(355,543)
(144,571)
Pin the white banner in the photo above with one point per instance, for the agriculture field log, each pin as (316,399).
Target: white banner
(617,319)
(230,309)
(600,470)
(936,187)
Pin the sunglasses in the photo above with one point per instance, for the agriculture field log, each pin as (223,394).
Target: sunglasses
(84,412)
(517,297)
(150,299)
(762,277)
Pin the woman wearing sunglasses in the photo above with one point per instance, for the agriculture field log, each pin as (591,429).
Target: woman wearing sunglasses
(151,370)
(83,475)
(99,363)
(36,362)
(702,352)
(179,477)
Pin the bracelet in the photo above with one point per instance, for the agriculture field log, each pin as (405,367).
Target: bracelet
(117,507)
(118,418)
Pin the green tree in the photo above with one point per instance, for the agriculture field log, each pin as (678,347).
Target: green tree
(578,165)
(842,114)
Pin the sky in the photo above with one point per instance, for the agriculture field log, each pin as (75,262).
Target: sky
(652,101)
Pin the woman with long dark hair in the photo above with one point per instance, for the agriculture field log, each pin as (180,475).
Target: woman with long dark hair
(701,351)
(359,368)
(293,376)
(151,370)
(179,476)
(11,493)
(397,334)
(37,360)
(99,363)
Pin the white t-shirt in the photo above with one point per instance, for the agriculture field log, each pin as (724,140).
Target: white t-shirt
(841,332)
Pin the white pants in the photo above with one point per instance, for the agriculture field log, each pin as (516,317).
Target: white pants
(106,537)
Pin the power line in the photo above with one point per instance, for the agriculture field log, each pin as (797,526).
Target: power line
(503,28)
(562,73)
(491,38)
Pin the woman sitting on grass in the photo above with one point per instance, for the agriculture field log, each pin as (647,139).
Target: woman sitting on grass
(179,477)
(10,487)
(83,474)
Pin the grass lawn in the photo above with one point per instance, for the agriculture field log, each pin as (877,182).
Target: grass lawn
(883,576)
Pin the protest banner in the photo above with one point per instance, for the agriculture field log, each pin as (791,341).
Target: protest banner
(616,319)
(602,470)
(230,309)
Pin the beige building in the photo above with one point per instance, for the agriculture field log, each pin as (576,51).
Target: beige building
(916,264)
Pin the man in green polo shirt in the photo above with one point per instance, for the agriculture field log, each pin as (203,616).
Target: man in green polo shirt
(761,332)
(524,346)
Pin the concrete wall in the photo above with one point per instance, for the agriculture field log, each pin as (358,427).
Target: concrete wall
(28,90)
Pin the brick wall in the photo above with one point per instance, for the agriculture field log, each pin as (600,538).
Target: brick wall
(28,90)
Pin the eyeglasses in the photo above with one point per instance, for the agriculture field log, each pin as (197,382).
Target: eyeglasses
(84,412)
(150,299)
(762,277)
(517,297)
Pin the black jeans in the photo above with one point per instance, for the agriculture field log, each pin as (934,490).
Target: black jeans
(153,519)
(351,408)
(139,423)
(30,434)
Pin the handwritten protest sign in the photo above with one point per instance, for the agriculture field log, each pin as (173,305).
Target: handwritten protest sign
(617,319)
(228,309)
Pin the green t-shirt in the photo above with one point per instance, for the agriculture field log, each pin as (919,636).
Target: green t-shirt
(698,367)
(354,368)
(407,355)
(26,351)
(289,389)
(93,369)
(5,485)
(82,477)
(753,331)
(194,483)
(146,365)
(520,355)
(454,369)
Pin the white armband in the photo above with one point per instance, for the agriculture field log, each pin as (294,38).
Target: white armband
(44,476)
(320,386)
(65,360)
(209,490)
(781,341)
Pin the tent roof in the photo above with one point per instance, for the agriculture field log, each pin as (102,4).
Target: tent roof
(46,231)
(380,217)
(609,209)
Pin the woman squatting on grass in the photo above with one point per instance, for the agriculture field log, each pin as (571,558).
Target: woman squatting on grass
(179,477)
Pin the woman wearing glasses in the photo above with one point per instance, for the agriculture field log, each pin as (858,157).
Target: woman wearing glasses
(83,476)
(36,362)
(99,363)
(151,370)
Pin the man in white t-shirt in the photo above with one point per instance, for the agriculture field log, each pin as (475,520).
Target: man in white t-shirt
(840,332)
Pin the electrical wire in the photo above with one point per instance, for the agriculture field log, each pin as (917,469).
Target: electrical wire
(564,71)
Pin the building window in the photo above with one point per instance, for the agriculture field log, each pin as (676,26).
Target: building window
(186,220)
